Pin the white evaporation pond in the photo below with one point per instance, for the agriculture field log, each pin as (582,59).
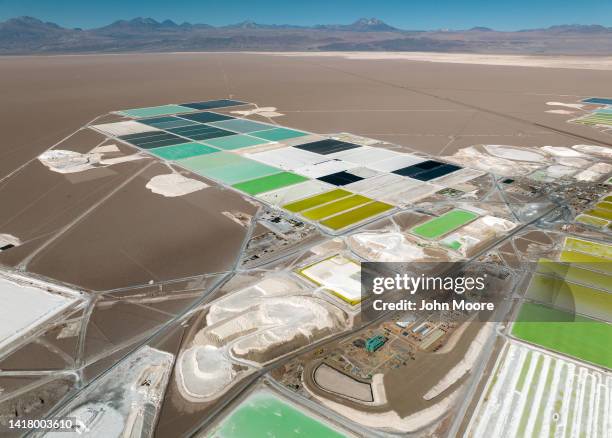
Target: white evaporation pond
(124,128)
(25,307)
(289,158)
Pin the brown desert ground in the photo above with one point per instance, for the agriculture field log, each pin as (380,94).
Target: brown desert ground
(137,236)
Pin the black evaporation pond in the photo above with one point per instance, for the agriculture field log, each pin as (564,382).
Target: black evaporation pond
(201,132)
(211,104)
(427,170)
(326,147)
(340,178)
(205,117)
(437,172)
(150,142)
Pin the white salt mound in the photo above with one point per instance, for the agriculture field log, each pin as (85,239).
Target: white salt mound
(62,161)
(173,184)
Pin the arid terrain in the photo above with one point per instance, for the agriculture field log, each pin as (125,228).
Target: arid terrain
(184,233)
(433,107)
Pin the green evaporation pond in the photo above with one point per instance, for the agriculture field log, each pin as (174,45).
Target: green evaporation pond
(565,332)
(265,415)
(444,224)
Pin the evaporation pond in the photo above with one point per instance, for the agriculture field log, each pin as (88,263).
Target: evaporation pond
(263,414)
(444,224)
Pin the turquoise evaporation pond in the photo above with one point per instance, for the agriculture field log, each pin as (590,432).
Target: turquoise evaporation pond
(263,414)
(278,134)
(241,125)
(227,167)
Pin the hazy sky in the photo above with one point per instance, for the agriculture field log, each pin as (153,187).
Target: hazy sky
(406,14)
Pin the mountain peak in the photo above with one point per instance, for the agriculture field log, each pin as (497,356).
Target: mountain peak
(169,23)
(25,19)
(140,21)
(140,24)
(30,22)
(481,29)
(370,24)
(246,24)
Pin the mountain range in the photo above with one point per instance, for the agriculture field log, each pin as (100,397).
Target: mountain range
(28,35)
